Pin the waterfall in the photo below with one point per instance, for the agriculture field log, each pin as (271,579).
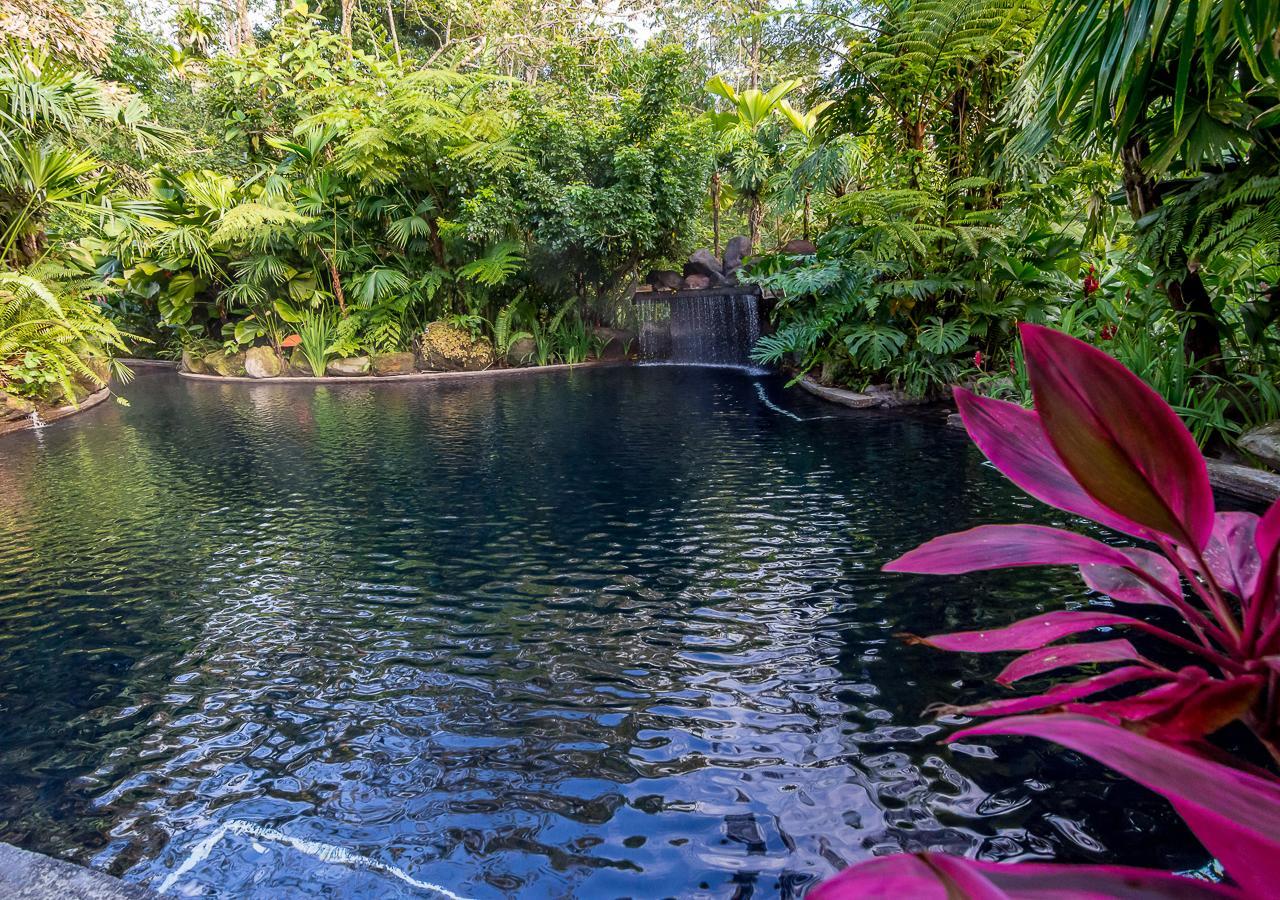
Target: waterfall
(715,330)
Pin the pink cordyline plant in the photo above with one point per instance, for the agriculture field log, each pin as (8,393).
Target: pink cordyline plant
(1103,445)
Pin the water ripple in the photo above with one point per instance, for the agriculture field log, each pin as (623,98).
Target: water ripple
(606,633)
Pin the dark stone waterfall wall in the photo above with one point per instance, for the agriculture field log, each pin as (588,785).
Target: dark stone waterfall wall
(714,330)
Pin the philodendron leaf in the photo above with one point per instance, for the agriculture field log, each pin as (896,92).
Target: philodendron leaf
(934,876)
(1118,438)
(1235,814)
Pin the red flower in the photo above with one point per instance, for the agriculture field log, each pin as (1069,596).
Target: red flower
(1090,282)
(1107,332)
(1013,366)
(292,340)
(977,360)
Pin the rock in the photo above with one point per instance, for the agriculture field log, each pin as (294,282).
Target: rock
(615,342)
(735,254)
(219,363)
(702,265)
(449,349)
(1263,443)
(194,363)
(100,366)
(12,407)
(393,363)
(799,247)
(349,367)
(696,282)
(29,875)
(955,421)
(664,280)
(262,362)
(521,351)
(1244,481)
(298,365)
(702,262)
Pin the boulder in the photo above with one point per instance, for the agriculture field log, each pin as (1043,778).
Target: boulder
(696,282)
(393,363)
(100,366)
(664,280)
(193,362)
(736,252)
(449,349)
(262,362)
(220,363)
(12,407)
(702,262)
(799,247)
(348,367)
(615,342)
(298,364)
(521,352)
(1264,443)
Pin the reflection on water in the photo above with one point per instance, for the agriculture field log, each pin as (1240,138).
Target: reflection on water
(606,633)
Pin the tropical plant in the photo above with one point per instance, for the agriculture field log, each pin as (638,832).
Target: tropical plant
(1101,444)
(49,344)
(318,331)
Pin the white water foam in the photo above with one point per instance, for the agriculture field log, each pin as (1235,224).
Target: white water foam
(325,853)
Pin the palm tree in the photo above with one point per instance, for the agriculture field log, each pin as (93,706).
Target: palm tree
(750,141)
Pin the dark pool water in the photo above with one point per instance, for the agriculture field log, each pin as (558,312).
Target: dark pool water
(607,633)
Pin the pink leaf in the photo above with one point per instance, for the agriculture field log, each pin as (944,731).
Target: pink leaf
(1268,534)
(932,876)
(1235,814)
(1118,438)
(1231,554)
(1047,659)
(1003,547)
(1015,442)
(1027,634)
(1059,694)
(1123,585)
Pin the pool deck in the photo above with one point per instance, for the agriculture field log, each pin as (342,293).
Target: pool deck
(32,876)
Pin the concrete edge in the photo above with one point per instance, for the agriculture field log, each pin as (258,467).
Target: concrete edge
(61,412)
(138,363)
(32,876)
(416,376)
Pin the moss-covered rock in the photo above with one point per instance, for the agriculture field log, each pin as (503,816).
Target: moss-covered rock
(193,363)
(393,363)
(262,362)
(220,363)
(12,407)
(352,366)
(449,349)
(298,364)
(521,351)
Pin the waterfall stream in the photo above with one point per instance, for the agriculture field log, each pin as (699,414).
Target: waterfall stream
(716,330)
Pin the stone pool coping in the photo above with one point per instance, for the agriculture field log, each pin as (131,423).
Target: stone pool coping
(33,876)
(415,376)
(53,415)
(882,399)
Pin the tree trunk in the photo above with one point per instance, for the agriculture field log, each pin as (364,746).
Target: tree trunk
(715,210)
(395,37)
(1187,294)
(808,211)
(755,218)
(244,32)
(348,13)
